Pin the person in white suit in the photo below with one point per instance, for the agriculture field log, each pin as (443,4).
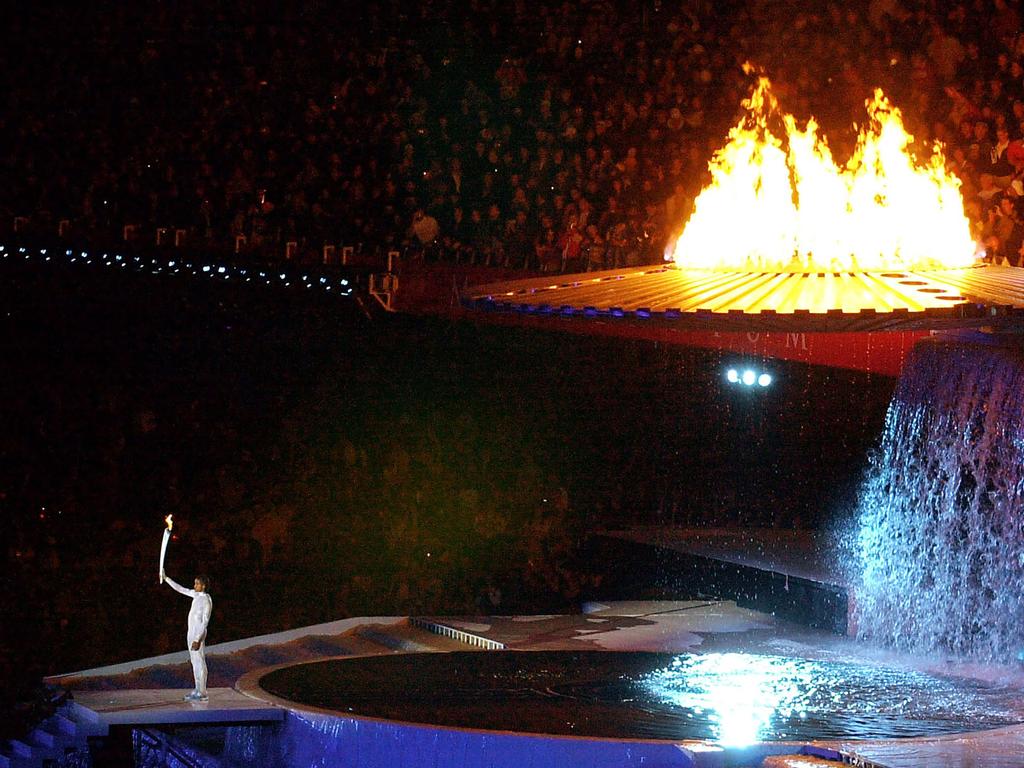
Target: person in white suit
(198,621)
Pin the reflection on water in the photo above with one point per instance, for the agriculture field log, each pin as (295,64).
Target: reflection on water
(731,698)
(744,698)
(741,694)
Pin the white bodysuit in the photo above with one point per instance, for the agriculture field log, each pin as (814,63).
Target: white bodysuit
(198,621)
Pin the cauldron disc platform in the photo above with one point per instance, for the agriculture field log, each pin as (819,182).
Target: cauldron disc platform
(795,300)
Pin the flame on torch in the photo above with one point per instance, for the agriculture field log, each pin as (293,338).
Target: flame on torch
(163,544)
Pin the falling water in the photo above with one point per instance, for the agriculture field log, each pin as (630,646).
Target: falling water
(940,538)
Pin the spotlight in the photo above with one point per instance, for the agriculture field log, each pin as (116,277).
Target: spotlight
(764,379)
(749,377)
(732,375)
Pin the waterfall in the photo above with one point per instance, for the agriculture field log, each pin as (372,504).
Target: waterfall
(939,540)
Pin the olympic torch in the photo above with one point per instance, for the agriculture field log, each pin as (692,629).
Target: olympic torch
(163,545)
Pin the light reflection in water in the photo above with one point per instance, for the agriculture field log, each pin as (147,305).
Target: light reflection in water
(745,698)
(728,698)
(738,692)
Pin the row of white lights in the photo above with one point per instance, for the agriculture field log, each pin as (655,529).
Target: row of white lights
(749,377)
(158,266)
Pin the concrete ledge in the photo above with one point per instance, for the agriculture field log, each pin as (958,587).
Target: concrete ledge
(148,706)
(181,657)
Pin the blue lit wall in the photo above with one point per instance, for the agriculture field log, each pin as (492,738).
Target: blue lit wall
(329,741)
(324,740)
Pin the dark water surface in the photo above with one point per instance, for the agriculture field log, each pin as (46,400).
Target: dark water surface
(732,698)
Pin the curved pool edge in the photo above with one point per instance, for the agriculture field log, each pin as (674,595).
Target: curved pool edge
(309,731)
(249,685)
(314,731)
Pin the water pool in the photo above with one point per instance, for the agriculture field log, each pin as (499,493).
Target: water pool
(731,698)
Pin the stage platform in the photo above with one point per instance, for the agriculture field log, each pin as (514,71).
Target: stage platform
(259,729)
(163,706)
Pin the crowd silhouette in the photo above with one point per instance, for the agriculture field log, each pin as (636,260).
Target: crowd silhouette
(521,135)
(528,135)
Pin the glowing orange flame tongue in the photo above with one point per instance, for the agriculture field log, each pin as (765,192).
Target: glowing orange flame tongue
(170,521)
(785,206)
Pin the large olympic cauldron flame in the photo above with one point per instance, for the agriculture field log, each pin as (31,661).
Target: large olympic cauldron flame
(784,205)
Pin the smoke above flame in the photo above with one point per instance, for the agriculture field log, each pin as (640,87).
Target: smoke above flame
(783,204)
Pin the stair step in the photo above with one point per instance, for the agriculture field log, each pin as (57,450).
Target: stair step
(19,748)
(19,761)
(45,746)
(61,724)
(42,738)
(391,641)
(87,723)
(358,645)
(80,714)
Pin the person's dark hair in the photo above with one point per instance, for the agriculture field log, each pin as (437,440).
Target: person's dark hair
(206,581)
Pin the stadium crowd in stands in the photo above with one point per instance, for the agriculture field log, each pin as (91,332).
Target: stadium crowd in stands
(539,135)
(532,135)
